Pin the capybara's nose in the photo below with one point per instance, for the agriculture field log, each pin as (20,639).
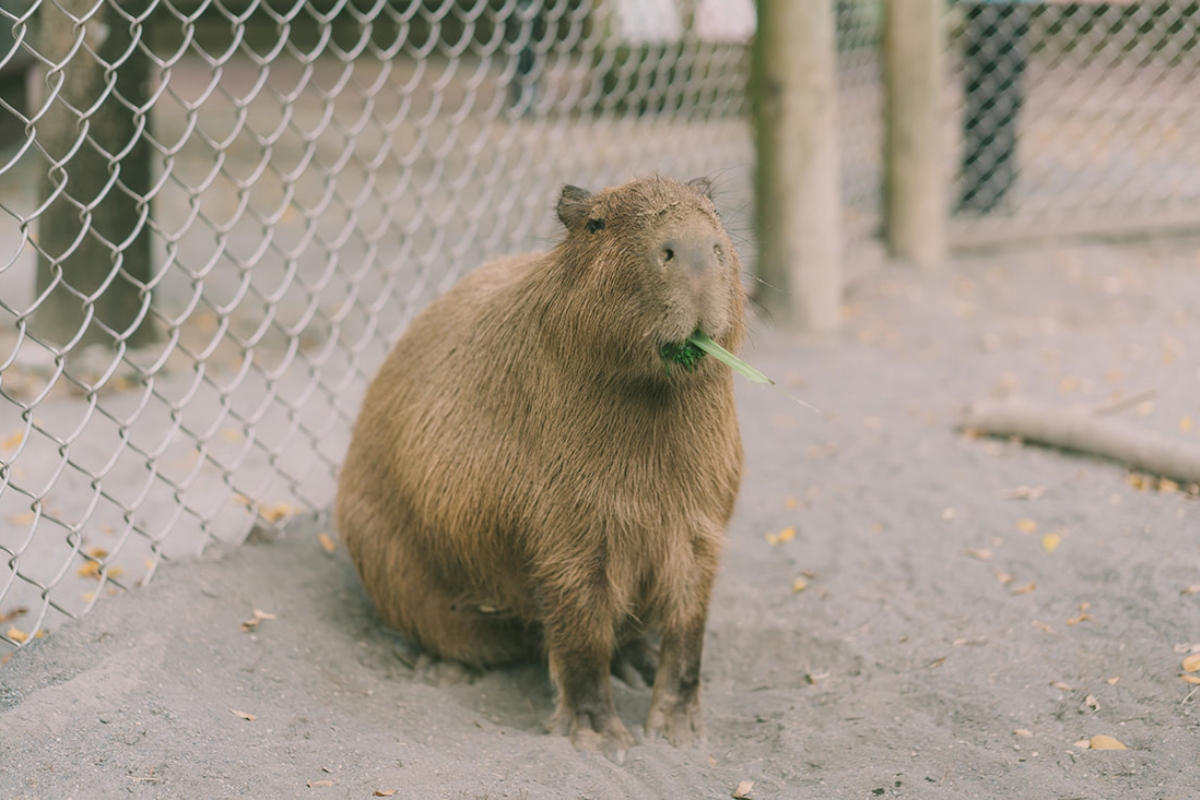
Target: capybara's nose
(694,256)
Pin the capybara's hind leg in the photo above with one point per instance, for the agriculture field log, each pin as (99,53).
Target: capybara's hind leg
(411,596)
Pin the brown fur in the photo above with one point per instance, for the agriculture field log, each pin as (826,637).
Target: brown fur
(527,478)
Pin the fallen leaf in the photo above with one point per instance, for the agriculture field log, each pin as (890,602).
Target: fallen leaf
(242,714)
(1026,589)
(1138,481)
(1184,648)
(274,512)
(1193,589)
(1004,578)
(1084,743)
(232,436)
(1027,526)
(7,616)
(1102,742)
(319,784)
(12,441)
(785,535)
(980,554)
(1083,607)
(1192,663)
(937,662)
(89,570)
(1066,687)
(743,790)
(1193,679)
(1167,486)
(1051,541)
(1042,626)
(1022,732)
(16,634)
(259,616)
(23,519)
(1091,702)
(1113,681)
(327,542)
(799,585)
(384,792)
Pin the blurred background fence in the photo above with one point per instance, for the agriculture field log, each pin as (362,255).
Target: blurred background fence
(215,217)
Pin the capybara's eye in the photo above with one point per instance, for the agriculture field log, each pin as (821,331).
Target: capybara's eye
(668,254)
(717,251)
(595,225)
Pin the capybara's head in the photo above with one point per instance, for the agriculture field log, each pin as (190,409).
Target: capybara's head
(648,263)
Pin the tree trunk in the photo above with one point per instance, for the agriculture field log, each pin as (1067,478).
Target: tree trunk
(94,264)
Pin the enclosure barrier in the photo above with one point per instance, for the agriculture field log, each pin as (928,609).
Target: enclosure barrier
(215,217)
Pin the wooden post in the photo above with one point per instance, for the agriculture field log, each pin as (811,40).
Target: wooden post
(93,234)
(797,198)
(914,151)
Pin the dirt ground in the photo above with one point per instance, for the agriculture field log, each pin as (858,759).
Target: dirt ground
(894,616)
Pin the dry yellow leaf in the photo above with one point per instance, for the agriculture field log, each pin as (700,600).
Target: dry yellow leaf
(1113,681)
(12,441)
(742,792)
(1193,589)
(1102,742)
(89,597)
(232,436)
(1042,626)
(1050,542)
(384,792)
(1192,663)
(319,784)
(244,715)
(1066,687)
(1185,424)
(6,616)
(327,542)
(785,535)
(1004,578)
(790,503)
(96,552)
(1083,607)
(274,512)
(799,585)
(1022,732)
(1138,481)
(1166,485)
(1027,525)
(89,570)
(981,554)
(23,519)
(1193,679)
(16,634)
(1026,589)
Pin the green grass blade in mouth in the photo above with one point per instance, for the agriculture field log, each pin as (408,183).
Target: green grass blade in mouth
(707,345)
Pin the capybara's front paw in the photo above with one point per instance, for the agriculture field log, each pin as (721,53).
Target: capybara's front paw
(608,736)
(682,722)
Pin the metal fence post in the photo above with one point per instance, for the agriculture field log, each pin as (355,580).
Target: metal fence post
(797,200)
(914,152)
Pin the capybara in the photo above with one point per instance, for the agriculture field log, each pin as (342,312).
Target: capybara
(529,477)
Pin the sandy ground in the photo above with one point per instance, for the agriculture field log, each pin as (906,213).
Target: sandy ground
(940,648)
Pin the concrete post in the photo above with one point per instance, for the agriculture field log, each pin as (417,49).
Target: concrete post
(797,199)
(914,150)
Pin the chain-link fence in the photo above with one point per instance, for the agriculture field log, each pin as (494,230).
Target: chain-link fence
(215,217)
(218,215)
(1074,117)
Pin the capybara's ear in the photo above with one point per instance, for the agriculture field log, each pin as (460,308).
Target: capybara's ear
(573,206)
(702,185)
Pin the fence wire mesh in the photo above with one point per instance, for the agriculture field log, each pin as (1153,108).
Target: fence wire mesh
(217,216)
(1074,116)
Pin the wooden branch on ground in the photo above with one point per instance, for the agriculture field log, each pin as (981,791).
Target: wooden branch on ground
(1087,432)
